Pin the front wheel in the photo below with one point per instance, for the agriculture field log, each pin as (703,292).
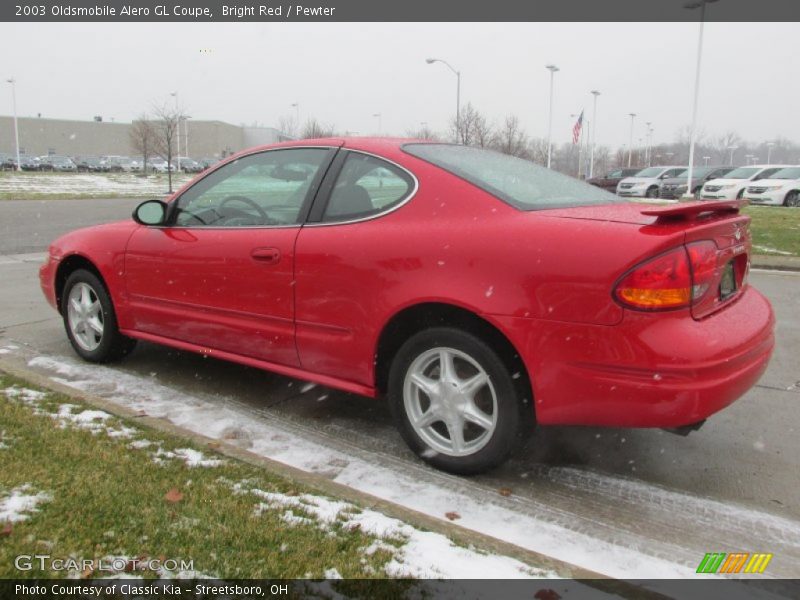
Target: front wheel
(792,199)
(90,320)
(455,402)
(652,192)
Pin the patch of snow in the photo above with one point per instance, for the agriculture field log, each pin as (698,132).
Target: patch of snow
(19,503)
(192,458)
(332,574)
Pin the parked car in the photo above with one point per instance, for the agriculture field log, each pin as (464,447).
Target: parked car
(120,164)
(782,188)
(675,187)
(610,180)
(189,165)
(30,163)
(354,264)
(55,162)
(159,165)
(645,183)
(88,164)
(207,162)
(8,162)
(735,182)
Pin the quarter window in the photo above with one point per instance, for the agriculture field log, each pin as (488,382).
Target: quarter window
(263,189)
(366,186)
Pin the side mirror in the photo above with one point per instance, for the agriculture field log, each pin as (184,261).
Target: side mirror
(151,212)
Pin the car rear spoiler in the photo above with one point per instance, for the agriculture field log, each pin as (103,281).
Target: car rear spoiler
(689,211)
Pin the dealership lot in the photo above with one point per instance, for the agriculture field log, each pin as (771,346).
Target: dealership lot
(671,498)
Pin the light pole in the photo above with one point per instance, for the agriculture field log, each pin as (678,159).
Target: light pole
(705,160)
(296,106)
(13,83)
(178,113)
(647,142)
(186,133)
(630,142)
(769,150)
(732,149)
(595,93)
(701,4)
(553,70)
(380,118)
(430,61)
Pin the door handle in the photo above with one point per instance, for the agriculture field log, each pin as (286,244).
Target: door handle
(268,256)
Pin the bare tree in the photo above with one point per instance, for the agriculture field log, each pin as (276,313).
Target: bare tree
(166,128)
(537,150)
(289,126)
(423,133)
(483,131)
(315,129)
(464,129)
(512,139)
(143,139)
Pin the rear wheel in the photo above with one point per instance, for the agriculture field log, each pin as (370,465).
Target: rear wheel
(652,192)
(792,199)
(740,195)
(455,402)
(90,320)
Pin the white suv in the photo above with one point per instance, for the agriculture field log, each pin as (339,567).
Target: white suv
(733,185)
(780,188)
(645,183)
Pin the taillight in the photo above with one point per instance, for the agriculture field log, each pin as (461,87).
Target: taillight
(675,279)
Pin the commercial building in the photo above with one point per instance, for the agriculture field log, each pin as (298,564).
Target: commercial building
(40,136)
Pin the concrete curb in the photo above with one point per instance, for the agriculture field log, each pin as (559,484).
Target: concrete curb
(320,483)
(775,263)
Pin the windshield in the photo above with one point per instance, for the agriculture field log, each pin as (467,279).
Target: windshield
(520,183)
(650,172)
(787,173)
(742,173)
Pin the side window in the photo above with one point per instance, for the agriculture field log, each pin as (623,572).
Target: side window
(617,173)
(765,173)
(366,186)
(261,189)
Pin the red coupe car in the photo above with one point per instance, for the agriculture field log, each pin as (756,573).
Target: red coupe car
(481,293)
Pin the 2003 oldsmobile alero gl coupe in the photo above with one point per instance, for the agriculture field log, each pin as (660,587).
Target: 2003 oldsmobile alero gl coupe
(481,293)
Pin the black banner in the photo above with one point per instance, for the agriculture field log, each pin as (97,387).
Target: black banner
(208,589)
(398,11)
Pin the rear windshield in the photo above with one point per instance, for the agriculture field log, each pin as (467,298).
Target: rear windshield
(520,183)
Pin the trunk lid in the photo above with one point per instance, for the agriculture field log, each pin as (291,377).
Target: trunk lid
(720,222)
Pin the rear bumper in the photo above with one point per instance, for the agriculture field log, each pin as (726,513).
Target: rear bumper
(665,370)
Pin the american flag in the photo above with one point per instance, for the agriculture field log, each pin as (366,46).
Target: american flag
(576,130)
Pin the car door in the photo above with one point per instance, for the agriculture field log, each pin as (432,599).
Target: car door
(220,274)
(341,278)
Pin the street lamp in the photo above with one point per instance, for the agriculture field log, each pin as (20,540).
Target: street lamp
(769,150)
(430,61)
(594,93)
(706,159)
(13,83)
(186,133)
(630,142)
(178,113)
(732,149)
(647,142)
(378,115)
(553,70)
(701,4)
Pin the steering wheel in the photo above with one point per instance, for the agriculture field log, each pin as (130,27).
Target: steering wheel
(245,200)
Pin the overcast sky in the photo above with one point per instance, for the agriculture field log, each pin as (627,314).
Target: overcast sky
(343,73)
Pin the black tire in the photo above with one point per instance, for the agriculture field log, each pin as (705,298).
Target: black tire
(740,195)
(652,192)
(112,344)
(514,421)
(792,199)
(696,192)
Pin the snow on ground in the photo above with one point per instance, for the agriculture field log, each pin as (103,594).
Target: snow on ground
(413,550)
(270,439)
(192,458)
(89,185)
(20,503)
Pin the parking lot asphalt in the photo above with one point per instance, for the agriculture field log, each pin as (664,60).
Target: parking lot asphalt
(733,484)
